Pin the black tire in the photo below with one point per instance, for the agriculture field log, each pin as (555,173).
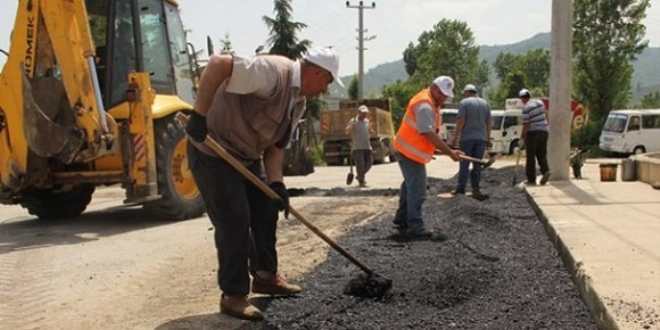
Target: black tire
(639,150)
(57,203)
(180,197)
(379,151)
(513,147)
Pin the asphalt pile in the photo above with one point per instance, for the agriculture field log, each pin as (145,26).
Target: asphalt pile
(444,285)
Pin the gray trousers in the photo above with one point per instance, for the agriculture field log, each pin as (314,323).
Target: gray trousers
(363,160)
(244,218)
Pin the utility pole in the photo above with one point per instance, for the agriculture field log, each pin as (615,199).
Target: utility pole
(360,47)
(561,115)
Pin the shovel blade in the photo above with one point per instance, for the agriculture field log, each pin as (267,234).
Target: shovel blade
(349,178)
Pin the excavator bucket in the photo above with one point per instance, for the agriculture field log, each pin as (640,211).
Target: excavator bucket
(45,137)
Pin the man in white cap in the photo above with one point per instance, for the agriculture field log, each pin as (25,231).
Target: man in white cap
(534,137)
(250,106)
(361,153)
(473,126)
(416,142)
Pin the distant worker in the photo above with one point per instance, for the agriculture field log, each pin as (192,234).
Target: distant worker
(250,106)
(473,125)
(534,137)
(360,128)
(415,144)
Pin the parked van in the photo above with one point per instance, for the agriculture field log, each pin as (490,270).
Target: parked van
(631,131)
(505,130)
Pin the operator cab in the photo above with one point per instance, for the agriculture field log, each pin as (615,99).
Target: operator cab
(155,26)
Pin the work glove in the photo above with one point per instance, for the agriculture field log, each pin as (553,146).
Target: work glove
(521,144)
(281,203)
(196,127)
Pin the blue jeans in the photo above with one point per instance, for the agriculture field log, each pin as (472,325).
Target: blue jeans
(412,193)
(476,149)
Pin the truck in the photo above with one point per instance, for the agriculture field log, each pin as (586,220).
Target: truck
(506,127)
(505,130)
(337,144)
(448,114)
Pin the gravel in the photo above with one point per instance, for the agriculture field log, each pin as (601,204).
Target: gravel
(443,285)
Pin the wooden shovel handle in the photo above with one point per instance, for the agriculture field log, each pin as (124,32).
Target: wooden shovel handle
(218,149)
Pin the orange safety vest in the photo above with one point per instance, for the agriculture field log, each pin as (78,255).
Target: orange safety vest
(408,140)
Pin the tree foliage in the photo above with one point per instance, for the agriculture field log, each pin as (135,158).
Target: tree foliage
(650,101)
(515,72)
(353,88)
(283,30)
(608,36)
(227,47)
(447,49)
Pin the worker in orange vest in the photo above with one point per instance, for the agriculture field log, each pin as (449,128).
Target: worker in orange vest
(415,144)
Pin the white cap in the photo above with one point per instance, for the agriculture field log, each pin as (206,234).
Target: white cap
(363,108)
(327,59)
(524,93)
(470,88)
(446,85)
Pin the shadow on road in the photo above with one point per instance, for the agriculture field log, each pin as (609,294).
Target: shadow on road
(217,320)
(29,232)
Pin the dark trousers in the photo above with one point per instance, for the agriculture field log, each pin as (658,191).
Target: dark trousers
(476,149)
(536,144)
(363,159)
(244,218)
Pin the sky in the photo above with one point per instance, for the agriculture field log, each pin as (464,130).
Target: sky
(393,23)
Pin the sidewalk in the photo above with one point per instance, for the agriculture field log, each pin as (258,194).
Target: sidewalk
(608,234)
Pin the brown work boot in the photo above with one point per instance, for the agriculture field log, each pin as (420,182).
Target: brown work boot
(273,285)
(239,307)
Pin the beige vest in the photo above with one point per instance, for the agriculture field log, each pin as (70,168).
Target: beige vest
(246,125)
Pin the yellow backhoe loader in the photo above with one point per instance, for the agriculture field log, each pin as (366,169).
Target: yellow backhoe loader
(88,96)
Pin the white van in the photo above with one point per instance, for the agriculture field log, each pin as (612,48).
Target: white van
(631,131)
(505,130)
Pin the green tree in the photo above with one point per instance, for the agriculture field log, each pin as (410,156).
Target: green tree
(515,72)
(227,47)
(283,30)
(400,93)
(608,36)
(482,79)
(650,101)
(447,49)
(504,64)
(353,88)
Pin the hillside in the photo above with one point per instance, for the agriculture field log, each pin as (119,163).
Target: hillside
(645,79)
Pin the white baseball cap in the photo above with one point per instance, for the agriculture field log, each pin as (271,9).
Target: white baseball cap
(363,108)
(327,59)
(524,93)
(470,88)
(446,85)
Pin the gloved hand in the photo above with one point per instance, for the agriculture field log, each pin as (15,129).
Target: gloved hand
(196,127)
(282,203)
(521,144)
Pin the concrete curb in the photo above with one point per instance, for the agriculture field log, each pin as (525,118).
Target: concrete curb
(582,280)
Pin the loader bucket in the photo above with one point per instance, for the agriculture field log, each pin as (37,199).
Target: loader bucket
(45,137)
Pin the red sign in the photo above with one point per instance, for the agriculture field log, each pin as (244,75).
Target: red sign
(580,113)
